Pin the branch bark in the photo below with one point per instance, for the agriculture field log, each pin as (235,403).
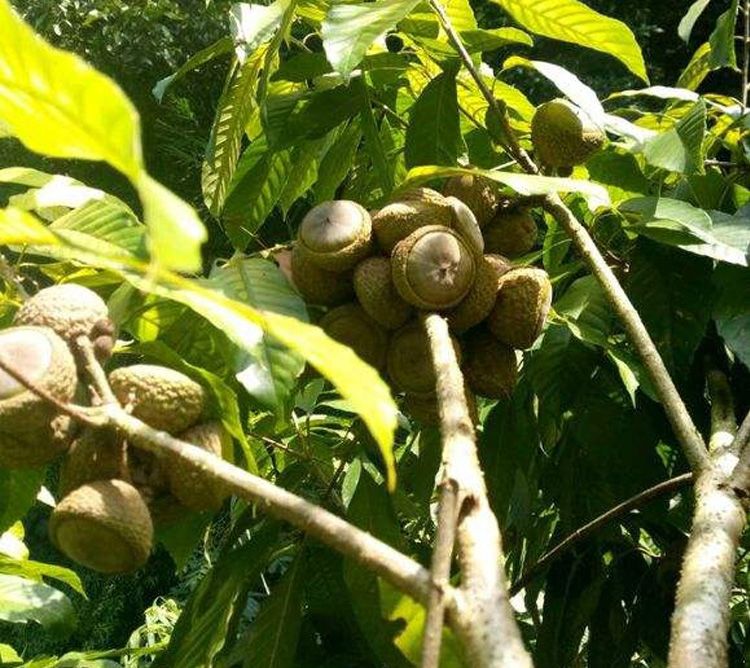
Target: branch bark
(483,618)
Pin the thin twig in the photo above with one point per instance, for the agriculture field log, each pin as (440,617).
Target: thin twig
(665,487)
(85,350)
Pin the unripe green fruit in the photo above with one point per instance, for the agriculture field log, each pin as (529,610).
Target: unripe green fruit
(490,367)
(433,268)
(350,325)
(564,135)
(163,398)
(478,193)
(476,306)
(511,233)
(105,526)
(373,285)
(523,301)
(319,286)
(336,235)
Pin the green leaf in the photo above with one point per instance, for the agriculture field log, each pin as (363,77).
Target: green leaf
(271,374)
(36,570)
(697,69)
(524,184)
(232,113)
(373,143)
(271,641)
(220,47)
(18,490)
(586,311)
(732,309)
(304,173)
(691,16)
(572,21)
(253,25)
(349,30)
(680,148)
(23,600)
(8,656)
(201,631)
(481,41)
(337,162)
(434,133)
(722,39)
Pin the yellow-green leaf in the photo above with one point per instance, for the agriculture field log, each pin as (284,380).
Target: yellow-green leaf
(19,227)
(572,21)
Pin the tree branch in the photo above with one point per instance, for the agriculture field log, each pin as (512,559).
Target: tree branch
(740,480)
(687,434)
(484,620)
(597,523)
(700,623)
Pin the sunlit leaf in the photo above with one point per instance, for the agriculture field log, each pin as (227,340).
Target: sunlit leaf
(680,148)
(691,16)
(23,600)
(18,490)
(253,25)
(697,69)
(722,39)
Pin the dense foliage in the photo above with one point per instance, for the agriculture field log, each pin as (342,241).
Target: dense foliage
(301,101)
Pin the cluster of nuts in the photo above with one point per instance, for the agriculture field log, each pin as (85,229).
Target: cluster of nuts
(111,494)
(426,252)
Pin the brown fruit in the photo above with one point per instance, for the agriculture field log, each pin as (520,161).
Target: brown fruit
(373,285)
(523,301)
(103,525)
(476,306)
(96,454)
(336,235)
(477,192)
(433,268)
(511,233)
(490,367)
(397,220)
(350,325)
(319,286)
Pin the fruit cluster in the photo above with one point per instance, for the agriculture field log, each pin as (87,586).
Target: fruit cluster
(448,253)
(112,494)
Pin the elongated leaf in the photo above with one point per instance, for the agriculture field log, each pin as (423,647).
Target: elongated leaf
(272,376)
(691,16)
(220,47)
(18,489)
(523,184)
(477,41)
(234,108)
(19,227)
(697,69)
(434,133)
(732,310)
(572,21)
(680,148)
(722,39)
(36,570)
(349,30)
(337,162)
(357,382)
(23,600)
(253,25)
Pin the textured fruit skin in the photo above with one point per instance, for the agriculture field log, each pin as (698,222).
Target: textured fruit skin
(523,301)
(409,363)
(376,293)
(163,398)
(70,310)
(490,367)
(96,454)
(319,286)
(476,306)
(105,526)
(25,410)
(36,447)
(563,135)
(432,268)
(422,194)
(397,220)
(511,233)
(189,484)
(349,324)
(478,193)
(336,235)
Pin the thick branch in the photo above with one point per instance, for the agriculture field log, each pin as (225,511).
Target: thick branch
(666,487)
(483,618)
(682,423)
(701,619)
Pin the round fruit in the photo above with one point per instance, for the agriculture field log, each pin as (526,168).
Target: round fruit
(432,268)
(478,193)
(42,357)
(373,285)
(422,195)
(163,398)
(70,310)
(465,223)
(96,454)
(319,286)
(409,362)
(336,235)
(511,233)
(476,306)
(36,447)
(103,525)
(490,368)
(524,298)
(189,484)
(564,135)
(397,220)
(350,325)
